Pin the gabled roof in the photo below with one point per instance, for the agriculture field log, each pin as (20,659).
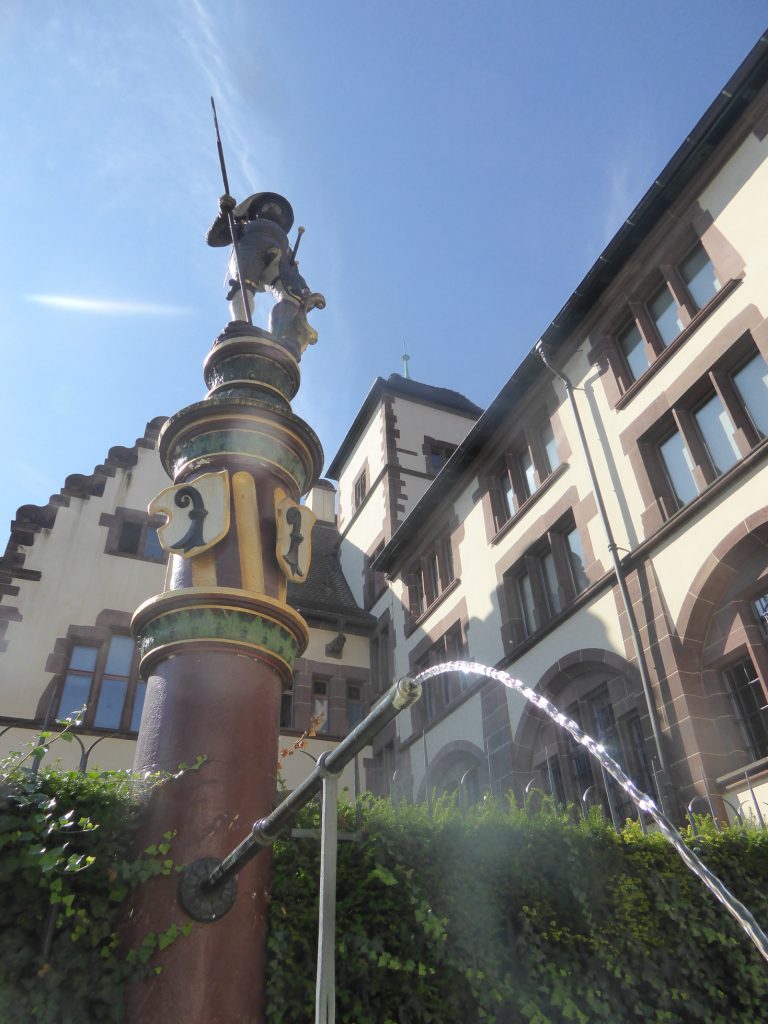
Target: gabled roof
(722,114)
(403,387)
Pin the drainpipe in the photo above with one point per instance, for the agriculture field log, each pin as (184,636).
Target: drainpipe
(622,582)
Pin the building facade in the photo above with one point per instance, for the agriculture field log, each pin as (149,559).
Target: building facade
(634,596)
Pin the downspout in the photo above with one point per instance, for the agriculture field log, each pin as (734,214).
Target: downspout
(622,582)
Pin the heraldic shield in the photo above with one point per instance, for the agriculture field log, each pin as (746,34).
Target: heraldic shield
(197,514)
(294,537)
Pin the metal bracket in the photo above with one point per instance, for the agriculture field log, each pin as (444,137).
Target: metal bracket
(205,903)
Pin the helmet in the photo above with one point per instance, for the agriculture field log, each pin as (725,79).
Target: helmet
(251,207)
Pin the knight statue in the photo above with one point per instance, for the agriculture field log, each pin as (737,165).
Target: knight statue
(267,263)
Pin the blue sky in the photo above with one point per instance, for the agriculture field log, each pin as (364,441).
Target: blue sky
(457,167)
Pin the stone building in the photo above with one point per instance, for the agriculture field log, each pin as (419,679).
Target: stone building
(636,600)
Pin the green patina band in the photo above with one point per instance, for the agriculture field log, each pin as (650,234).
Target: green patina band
(242,442)
(252,368)
(218,624)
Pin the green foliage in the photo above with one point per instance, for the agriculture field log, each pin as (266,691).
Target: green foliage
(502,917)
(65,871)
(495,916)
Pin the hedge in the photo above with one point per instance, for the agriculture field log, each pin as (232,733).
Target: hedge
(495,916)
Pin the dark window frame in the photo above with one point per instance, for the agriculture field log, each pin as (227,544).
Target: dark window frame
(360,488)
(752,720)
(126,519)
(508,476)
(134,683)
(544,600)
(716,383)
(667,276)
(429,576)
(437,453)
(443,691)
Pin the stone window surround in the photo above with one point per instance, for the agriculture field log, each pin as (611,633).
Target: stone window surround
(624,711)
(361,486)
(511,439)
(628,303)
(451,533)
(458,617)
(435,445)
(581,667)
(581,513)
(374,583)
(383,634)
(747,331)
(115,522)
(553,541)
(109,623)
(305,672)
(528,439)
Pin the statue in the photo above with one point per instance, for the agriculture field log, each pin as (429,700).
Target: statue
(267,263)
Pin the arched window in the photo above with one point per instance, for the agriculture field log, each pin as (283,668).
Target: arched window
(608,706)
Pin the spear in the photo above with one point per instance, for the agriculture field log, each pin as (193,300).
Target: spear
(231,219)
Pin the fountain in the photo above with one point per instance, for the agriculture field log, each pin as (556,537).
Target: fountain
(642,801)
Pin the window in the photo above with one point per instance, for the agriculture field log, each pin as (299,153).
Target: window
(438,453)
(360,489)
(429,577)
(699,276)
(522,471)
(374,582)
(442,690)
(665,315)
(708,431)
(320,706)
(760,604)
(380,659)
(750,704)
(567,770)
(671,305)
(105,678)
(354,706)
(548,577)
(633,348)
(286,708)
(751,383)
(133,534)
(579,579)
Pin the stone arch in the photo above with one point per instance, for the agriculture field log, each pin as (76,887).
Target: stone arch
(608,691)
(555,679)
(451,761)
(717,572)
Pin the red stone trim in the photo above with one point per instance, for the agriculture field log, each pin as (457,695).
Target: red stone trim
(716,573)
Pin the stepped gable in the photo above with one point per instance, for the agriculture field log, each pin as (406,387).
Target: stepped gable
(326,594)
(31,519)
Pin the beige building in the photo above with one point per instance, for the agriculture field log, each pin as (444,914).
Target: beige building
(482,534)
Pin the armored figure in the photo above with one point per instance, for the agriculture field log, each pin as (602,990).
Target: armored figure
(267,263)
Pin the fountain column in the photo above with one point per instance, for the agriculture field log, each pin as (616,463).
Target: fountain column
(218,647)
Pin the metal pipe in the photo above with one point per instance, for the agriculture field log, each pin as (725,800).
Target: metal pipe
(265,831)
(620,579)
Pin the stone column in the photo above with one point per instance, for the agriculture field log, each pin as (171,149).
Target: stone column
(218,647)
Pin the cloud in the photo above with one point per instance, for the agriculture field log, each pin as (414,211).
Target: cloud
(109,306)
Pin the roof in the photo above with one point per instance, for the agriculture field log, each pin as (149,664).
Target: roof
(326,593)
(722,114)
(403,387)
